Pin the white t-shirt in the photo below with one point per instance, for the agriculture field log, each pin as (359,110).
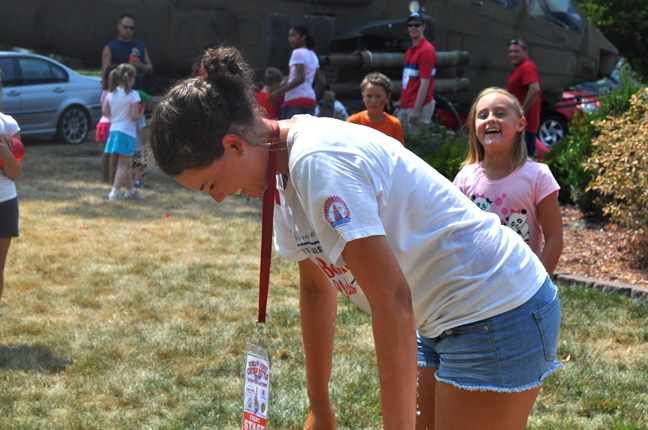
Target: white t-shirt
(311,63)
(514,198)
(120,105)
(349,182)
(9,126)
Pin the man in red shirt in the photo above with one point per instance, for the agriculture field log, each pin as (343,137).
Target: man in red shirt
(524,83)
(417,92)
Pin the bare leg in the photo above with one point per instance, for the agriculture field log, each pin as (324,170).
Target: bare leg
(458,409)
(124,172)
(112,167)
(105,166)
(426,391)
(4,250)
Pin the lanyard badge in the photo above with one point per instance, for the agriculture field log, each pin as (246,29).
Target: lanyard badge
(257,368)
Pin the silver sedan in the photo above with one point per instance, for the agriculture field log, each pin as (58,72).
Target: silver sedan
(47,98)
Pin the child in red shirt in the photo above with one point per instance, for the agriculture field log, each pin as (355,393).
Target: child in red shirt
(271,81)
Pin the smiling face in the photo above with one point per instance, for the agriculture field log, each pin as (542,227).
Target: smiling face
(416,29)
(517,54)
(231,174)
(497,122)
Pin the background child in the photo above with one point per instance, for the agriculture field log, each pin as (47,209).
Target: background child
(140,138)
(376,93)
(299,95)
(122,104)
(330,107)
(271,81)
(108,162)
(10,172)
(500,178)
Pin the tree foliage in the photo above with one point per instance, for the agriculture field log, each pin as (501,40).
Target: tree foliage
(625,24)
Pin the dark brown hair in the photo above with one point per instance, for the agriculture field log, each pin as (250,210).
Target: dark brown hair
(189,123)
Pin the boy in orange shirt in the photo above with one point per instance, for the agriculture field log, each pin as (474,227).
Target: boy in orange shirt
(376,92)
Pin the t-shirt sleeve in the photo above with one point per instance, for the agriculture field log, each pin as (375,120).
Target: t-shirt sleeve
(11,127)
(426,64)
(530,74)
(460,180)
(284,243)
(398,132)
(297,57)
(339,198)
(546,184)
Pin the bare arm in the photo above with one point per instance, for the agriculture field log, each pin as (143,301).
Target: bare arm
(106,57)
(420,98)
(105,108)
(533,91)
(379,275)
(552,230)
(300,77)
(318,310)
(11,168)
(320,83)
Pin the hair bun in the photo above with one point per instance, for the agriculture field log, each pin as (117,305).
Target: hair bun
(226,67)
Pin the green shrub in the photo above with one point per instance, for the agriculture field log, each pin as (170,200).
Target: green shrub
(441,148)
(619,167)
(567,156)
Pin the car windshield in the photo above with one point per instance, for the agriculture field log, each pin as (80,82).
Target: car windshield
(561,12)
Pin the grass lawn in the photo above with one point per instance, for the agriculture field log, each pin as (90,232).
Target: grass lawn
(135,315)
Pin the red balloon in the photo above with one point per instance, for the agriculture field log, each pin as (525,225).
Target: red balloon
(18,150)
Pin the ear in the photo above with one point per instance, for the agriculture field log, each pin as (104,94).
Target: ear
(388,98)
(232,142)
(521,124)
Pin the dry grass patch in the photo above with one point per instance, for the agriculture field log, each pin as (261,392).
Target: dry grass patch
(135,314)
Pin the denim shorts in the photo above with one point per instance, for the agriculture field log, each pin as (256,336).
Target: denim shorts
(510,352)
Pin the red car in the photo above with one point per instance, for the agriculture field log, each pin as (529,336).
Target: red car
(554,123)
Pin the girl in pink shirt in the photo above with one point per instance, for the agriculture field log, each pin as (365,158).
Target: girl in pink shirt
(499,177)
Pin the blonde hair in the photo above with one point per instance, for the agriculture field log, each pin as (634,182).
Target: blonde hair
(120,77)
(475,147)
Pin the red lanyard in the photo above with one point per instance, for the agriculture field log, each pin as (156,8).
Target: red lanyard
(266,226)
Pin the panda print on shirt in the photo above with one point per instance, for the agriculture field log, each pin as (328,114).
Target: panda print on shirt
(482,202)
(518,221)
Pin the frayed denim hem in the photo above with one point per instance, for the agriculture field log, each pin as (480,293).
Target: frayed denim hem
(555,366)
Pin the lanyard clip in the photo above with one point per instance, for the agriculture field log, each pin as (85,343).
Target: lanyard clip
(260,326)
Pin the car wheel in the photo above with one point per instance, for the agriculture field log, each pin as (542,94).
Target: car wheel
(552,128)
(74,125)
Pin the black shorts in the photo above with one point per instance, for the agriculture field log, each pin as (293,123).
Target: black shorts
(9,218)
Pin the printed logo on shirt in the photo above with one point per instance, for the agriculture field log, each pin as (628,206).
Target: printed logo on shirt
(336,212)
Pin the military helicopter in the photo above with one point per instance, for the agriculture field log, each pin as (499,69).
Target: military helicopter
(353,37)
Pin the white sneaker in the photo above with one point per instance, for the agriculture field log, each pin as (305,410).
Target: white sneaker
(113,195)
(133,194)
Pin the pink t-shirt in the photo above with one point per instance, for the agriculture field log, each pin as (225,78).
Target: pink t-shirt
(514,198)
(305,90)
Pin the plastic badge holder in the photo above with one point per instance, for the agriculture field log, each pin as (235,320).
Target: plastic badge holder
(257,387)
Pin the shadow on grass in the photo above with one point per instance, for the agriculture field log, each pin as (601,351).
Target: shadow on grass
(32,359)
